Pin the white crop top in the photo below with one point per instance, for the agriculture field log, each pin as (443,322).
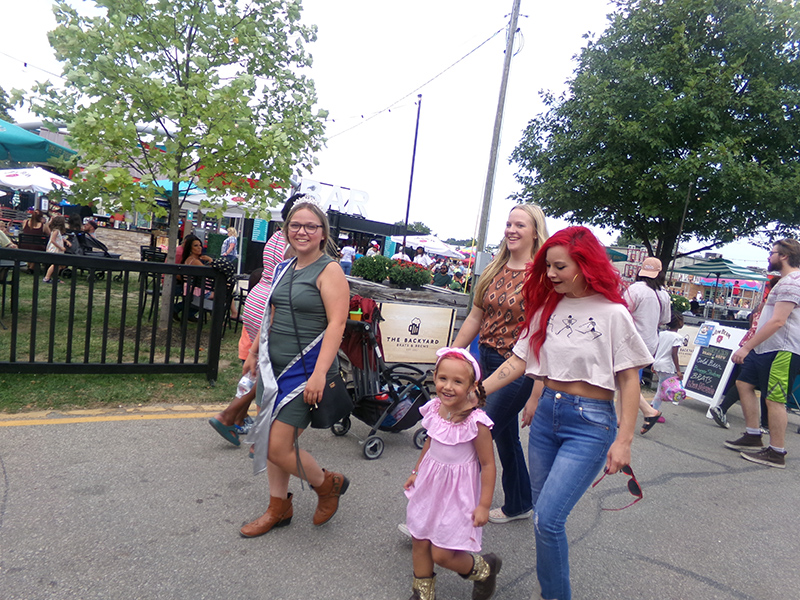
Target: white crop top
(588,339)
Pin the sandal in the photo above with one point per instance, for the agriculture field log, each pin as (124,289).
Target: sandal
(649,422)
(229,433)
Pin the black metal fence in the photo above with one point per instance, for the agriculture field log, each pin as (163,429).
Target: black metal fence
(105,315)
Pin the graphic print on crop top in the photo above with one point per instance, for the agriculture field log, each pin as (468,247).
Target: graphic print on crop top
(568,327)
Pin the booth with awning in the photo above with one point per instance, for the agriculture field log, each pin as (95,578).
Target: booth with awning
(716,272)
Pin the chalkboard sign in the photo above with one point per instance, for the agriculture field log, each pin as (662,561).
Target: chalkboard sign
(707,371)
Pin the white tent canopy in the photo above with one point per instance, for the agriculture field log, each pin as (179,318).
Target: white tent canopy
(33,179)
(431,243)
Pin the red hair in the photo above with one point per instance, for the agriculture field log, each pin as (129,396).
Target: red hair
(538,293)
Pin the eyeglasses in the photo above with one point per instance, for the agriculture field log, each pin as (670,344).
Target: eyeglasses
(633,486)
(309,228)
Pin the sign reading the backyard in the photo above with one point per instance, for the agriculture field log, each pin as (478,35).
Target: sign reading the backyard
(345,200)
(710,367)
(413,333)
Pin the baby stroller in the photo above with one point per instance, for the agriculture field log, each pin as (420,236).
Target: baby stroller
(385,398)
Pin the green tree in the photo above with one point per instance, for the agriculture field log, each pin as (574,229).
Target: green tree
(5,107)
(417,227)
(465,242)
(625,239)
(679,103)
(217,84)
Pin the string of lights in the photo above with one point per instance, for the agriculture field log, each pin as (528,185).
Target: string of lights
(415,90)
(27,65)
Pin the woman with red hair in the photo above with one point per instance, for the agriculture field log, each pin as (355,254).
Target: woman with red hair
(580,345)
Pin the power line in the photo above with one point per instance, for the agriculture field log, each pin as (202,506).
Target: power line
(414,91)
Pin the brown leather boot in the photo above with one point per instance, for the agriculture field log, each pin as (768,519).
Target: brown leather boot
(278,514)
(335,485)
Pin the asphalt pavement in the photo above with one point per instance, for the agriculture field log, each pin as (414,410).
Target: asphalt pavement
(95,507)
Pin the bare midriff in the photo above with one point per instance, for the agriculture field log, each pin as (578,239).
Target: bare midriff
(580,388)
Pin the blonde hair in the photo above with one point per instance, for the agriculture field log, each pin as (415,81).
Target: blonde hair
(231,231)
(504,254)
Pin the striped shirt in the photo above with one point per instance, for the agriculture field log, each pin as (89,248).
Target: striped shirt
(256,303)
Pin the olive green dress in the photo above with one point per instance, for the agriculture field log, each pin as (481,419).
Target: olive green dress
(311,319)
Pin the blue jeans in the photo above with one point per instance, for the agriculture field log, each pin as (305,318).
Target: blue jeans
(568,442)
(503,408)
(346,267)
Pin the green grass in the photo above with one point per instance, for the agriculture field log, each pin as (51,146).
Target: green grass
(28,392)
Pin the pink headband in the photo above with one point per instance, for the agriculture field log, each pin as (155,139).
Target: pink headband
(445,352)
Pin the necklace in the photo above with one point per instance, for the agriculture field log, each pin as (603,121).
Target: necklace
(451,415)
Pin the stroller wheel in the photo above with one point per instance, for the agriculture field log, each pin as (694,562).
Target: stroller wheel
(420,437)
(342,427)
(373,447)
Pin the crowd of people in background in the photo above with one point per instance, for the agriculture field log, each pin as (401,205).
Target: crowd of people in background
(449,273)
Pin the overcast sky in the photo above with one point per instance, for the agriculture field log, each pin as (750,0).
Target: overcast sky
(371,55)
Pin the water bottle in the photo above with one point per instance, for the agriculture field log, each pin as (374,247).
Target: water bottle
(246,384)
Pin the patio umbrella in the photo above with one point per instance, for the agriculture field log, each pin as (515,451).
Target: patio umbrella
(33,179)
(20,145)
(718,268)
(431,243)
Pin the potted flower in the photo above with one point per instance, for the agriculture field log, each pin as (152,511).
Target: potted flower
(372,268)
(406,274)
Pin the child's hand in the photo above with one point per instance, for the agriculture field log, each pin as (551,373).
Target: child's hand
(480,516)
(410,482)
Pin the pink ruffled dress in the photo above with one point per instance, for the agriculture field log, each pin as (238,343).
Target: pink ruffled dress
(448,486)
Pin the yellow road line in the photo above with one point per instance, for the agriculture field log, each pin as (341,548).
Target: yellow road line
(70,420)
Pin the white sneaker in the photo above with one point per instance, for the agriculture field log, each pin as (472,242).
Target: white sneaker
(496,515)
(403,528)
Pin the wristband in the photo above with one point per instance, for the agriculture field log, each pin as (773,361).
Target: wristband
(253,353)
(414,472)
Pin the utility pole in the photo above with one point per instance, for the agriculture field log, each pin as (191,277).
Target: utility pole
(680,231)
(413,158)
(498,126)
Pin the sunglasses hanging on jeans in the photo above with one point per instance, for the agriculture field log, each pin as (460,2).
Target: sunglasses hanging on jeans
(633,486)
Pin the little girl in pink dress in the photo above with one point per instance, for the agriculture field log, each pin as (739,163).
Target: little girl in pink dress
(450,489)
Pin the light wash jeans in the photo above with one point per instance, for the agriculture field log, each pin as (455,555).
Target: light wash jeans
(503,407)
(568,442)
